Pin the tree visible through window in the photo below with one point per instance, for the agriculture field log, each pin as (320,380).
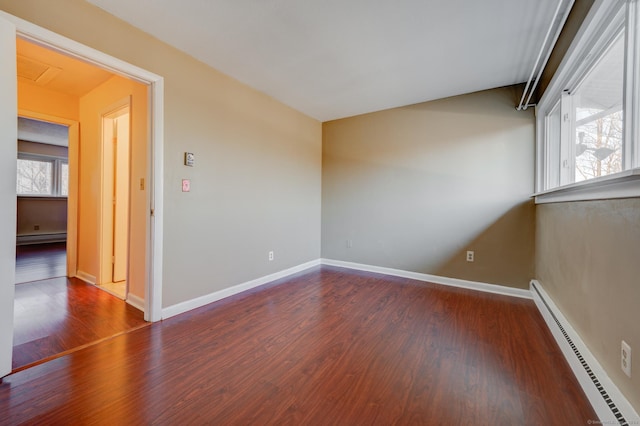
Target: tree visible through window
(64,179)
(599,148)
(42,176)
(599,116)
(35,177)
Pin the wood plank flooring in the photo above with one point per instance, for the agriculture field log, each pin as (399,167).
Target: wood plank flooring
(40,261)
(325,347)
(54,316)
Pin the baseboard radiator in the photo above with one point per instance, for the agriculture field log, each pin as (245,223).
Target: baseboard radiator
(56,237)
(583,364)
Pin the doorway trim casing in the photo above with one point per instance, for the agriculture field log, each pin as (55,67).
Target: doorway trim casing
(155,147)
(72,197)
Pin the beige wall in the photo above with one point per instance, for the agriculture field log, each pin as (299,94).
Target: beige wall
(49,214)
(415,187)
(92,106)
(587,260)
(256,183)
(43,149)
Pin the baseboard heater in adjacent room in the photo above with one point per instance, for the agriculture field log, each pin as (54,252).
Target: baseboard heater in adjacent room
(605,397)
(56,237)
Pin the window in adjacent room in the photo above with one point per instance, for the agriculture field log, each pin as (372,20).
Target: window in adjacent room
(43,165)
(42,175)
(35,177)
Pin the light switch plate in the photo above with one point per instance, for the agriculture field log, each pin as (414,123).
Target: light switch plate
(186,185)
(189,159)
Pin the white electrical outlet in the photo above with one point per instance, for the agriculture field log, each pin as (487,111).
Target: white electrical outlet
(349,243)
(470,255)
(270,256)
(625,358)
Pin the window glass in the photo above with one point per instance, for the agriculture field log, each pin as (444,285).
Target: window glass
(64,179)
(598,114)
(35,177)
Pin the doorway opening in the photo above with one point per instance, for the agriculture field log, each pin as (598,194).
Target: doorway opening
(149,238)
(54,188)
(116,126)
(42,189)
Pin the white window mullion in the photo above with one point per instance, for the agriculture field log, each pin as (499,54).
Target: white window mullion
(631,154)
(552,145)
(542,154)
(567,148)
(56,178)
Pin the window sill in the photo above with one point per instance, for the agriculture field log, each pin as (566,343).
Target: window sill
(625,184)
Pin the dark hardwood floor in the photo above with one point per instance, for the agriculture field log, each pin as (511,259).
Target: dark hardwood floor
(327,346)
(40,261)
(52,317)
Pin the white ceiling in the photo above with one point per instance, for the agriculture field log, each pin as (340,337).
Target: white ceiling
(337,58)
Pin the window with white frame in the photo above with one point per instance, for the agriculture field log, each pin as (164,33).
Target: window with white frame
(597,117)
(42,175)
(587,119)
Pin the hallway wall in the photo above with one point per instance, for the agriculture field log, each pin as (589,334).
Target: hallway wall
(92,106)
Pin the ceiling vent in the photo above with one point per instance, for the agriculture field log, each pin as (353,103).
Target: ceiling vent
(36,71)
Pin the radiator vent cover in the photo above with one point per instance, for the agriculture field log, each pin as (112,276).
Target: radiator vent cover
(619,417)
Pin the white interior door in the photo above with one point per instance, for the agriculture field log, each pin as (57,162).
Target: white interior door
(121,198)
(8,164)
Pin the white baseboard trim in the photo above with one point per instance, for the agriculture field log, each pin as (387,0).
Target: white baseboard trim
(135,301)
(88,278)
(609,403)
(453,282)
(188,305)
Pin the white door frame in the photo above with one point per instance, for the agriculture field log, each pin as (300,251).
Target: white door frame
(72,197)
(57,42)
(8,166)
